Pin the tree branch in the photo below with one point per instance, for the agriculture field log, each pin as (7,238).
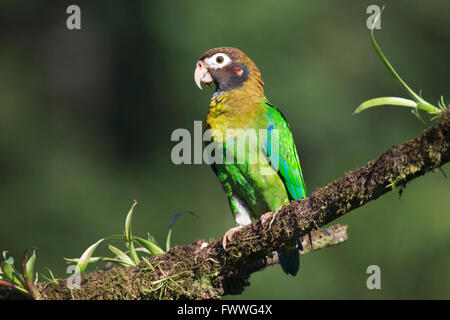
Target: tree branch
(320,239)
(205,270)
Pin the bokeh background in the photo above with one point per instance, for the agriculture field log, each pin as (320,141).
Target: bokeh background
(86,118)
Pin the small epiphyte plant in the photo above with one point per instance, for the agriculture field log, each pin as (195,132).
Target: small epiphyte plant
(417,103)
(22,281)
(146,247)
(26,279)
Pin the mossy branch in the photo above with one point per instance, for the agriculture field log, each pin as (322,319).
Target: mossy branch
(204,270)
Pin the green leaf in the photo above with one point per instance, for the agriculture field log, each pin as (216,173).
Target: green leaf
(91,260)
(128,222)
(393,101)
(12,275)
(29,286)
(30,266)
(121,255)
(128,234)
(441,103)
(150,246)
(112,237)
(151,238)
(52,278)
(85,257)
(169,236)
(172,222)
(133,253)
(96,259)
(415,112)
(116,237)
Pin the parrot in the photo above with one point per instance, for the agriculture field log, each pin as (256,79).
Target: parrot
(239,102)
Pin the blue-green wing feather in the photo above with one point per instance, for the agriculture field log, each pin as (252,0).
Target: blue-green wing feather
(288,164)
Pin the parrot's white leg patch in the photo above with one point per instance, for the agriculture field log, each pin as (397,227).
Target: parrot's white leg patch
(244,215)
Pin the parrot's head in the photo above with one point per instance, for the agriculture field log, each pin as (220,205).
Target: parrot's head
(227,68)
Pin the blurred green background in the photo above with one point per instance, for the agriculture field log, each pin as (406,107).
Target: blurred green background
(86,118)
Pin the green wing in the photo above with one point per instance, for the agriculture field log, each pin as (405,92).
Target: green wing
(285,161)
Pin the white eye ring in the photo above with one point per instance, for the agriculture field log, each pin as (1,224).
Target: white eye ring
(219,60)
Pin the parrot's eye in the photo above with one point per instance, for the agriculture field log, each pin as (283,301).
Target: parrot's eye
(219,60)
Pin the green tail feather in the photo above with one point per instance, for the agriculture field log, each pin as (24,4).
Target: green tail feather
(289,259)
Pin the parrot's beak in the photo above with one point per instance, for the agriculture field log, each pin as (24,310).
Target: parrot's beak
(201,74)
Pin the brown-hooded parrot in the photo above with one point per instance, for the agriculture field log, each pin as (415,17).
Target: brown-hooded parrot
(252,187)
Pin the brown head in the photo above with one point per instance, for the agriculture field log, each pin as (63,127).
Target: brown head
(229,68)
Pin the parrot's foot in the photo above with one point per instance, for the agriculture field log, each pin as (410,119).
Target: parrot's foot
(271,215)
(228,236)
(266,217)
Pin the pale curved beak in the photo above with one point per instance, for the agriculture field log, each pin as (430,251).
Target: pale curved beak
(201,74)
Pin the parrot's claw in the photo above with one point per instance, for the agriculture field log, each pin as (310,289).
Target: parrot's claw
(268,216)
(271,215)
(228,236)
